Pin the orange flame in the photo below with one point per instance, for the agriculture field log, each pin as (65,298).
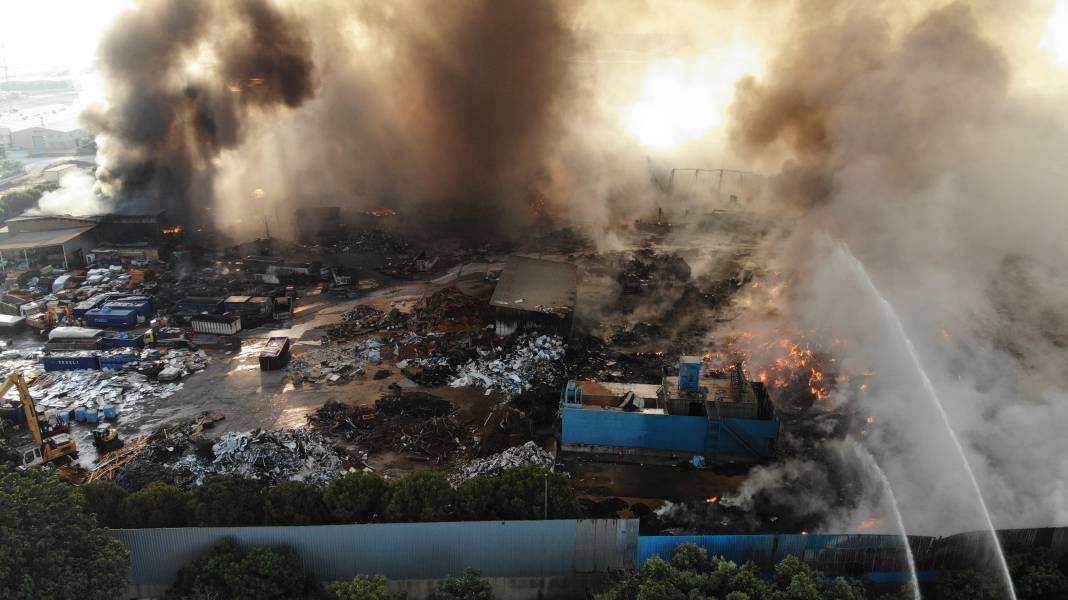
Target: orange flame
(869,523)
(172,230)
(712,499)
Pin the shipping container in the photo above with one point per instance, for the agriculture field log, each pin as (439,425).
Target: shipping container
(276,355)
(124,340)
(196,304)
(106,317)
(74,344)
(143,308)
(227,324)
(115,362)
(240,305)
(263,304)
(70,363)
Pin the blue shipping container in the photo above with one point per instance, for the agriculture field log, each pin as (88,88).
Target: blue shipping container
(115,362)
(70,363)
(106,317)
(124,340)
(141,307)
(212,306)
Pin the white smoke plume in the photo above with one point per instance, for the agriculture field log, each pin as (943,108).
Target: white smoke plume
(923,151)
(76,195)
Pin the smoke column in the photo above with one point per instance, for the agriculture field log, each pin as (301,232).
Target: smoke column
(909,135)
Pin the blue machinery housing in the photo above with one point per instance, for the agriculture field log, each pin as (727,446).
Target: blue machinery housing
(723,414)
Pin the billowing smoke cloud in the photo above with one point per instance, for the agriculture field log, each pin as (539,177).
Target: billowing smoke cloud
(76,195)
(910,141)
(183,78)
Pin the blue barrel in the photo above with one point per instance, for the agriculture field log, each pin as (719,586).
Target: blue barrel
(64,417)
(92,415)
(79,414)
(111,412)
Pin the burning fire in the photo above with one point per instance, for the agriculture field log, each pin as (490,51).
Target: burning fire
(869,524)
(712,499)
(380,212)
(870,420)
(172,230)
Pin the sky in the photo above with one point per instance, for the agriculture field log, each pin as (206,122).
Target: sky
(41,35)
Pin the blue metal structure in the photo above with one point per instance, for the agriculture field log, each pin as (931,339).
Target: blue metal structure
(694,435)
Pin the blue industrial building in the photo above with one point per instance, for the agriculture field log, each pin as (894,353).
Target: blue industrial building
(720,415)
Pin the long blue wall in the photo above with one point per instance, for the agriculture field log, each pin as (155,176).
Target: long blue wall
(738,437)
(634,430)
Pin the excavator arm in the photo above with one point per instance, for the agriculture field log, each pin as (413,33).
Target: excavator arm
(16,379)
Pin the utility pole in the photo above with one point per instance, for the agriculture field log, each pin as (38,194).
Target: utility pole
(545,501)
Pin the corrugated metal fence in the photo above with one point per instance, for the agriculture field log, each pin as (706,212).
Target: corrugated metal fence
(404,550)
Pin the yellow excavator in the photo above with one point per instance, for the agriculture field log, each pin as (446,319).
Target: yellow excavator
(50,444)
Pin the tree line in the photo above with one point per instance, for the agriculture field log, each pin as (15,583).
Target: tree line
(423,496)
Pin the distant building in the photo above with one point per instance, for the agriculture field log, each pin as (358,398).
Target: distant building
(46,240)
(5,138)
(44,140)
(725,415)
(534,292)
(57,172)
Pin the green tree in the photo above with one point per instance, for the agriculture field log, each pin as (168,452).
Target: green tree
(365,587)
(266,573)
(1035,574)
(156,505)
(104,499)
(423,496)
(226,572)
(227,501)
(294,503)
(517,494)
(13,204)
(356,498)
(692,574)
(49,546)
(470,586)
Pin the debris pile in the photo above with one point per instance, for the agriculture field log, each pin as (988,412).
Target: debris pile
(149,374)
(533,360)
(512,458)
(272,456)
(418,424)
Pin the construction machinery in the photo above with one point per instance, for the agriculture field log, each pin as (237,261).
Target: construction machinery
(106,438)
(49,444)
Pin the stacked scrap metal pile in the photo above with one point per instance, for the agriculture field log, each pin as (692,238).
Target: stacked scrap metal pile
(271,456)
(529,454)
(335,363)
(150,375)
(418,424)
(532,360)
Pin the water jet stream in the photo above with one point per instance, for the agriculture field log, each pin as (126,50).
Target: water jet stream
(866,457)
(891,315)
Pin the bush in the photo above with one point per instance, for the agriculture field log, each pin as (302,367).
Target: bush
(425,496)
(157,505)
(294,503)
(365,587)
(104,499)
(692,574)
(50,547)
(227,501)
(356,498)
(517,494)
(225,572)
(469,587)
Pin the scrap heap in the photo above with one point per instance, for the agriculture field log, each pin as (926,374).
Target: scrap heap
(416,423)
(531,360)
(271,456)
(529,454)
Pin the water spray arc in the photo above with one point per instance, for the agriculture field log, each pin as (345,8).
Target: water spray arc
(868,459)
(891,316)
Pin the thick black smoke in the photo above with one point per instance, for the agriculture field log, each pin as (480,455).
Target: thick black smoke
(182,79)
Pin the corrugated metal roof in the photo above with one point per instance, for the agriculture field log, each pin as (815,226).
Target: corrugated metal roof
(531,284)
(40,239)
(402,550)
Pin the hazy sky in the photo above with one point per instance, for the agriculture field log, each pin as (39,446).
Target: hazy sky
(45,34)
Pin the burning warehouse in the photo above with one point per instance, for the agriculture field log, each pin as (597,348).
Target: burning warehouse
(723,414)
(533,292)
